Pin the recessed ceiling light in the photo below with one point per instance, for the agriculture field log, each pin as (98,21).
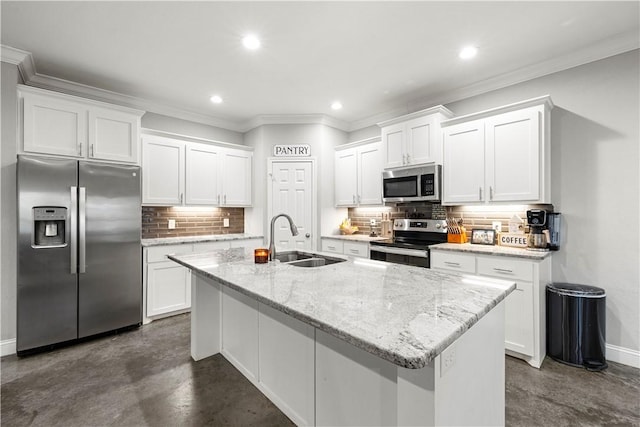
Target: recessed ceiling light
(468,52)
(336,105)
(251,42)
(216,99)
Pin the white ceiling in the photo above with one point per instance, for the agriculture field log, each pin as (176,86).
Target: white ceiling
(379,58)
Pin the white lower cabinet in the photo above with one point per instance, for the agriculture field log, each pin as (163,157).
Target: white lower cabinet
(166,284)
(525,313)
(240,331)
(355,249)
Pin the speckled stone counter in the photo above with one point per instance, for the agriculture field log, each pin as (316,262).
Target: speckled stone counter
(197,239)
(355,237)
(491,250)
(406,315)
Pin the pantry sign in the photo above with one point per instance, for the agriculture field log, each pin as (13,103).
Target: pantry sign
(292,150)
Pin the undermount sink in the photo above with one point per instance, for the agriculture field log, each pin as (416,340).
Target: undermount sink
(305,259)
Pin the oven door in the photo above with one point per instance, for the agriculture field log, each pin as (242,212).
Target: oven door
(415,257)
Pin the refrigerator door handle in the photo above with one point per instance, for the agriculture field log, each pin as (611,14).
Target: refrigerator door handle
(82,228)
(74,231)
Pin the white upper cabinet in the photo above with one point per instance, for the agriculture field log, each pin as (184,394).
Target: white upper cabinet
(202,180)
(113,135)
(499,155)
(358,175)
(177,172)
(413,139)
(63,125)
(237,167)
(163,167)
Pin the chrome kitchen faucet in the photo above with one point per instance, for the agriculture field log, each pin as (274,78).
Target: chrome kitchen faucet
(272,246)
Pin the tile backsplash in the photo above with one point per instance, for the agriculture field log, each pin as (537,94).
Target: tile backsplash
(472,216)
(190,221)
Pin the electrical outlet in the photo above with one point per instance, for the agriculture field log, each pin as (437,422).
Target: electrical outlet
(497,225)
(172,224)
(447,359)
(372,222)
(225,222)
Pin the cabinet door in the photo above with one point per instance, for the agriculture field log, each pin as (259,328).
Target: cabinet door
(236,177)
(202,171)
(393,145)
(356,249)
(54,126)
(332,245)
(463,163)
(113,135)
(421,146)
(168,288)
(162,171)
(370,174)
(519,319)
(240,331)
(513,156)
(346,177)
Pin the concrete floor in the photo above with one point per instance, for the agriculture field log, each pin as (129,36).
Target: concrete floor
(147,377)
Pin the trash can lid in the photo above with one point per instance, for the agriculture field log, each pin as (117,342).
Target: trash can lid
(576,290)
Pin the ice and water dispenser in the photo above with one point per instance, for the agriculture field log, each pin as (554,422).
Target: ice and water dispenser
(49,225)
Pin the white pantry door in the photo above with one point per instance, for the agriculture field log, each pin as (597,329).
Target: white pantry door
(291,193)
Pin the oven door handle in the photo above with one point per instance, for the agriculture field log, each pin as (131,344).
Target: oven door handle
(399,251)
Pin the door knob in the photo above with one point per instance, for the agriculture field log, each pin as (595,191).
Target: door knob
(307,235)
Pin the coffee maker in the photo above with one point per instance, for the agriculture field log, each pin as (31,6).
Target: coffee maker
(538,236)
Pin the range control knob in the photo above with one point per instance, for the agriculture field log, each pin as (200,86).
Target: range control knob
(438,226)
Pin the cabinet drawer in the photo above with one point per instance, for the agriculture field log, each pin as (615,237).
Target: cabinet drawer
(356,249)
(331,245)
(503,267)
(159,253)
(453,261)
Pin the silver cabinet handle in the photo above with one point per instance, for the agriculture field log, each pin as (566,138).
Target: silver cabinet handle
(80,148)
(354,198)
(354,251)
(453,264)
(359,198)
(503,270)
(74,231)
(181,197)
(333,248)
(218,199)
(490,193)
(91,155)
(404,159)
(82,229)
(408,158)
(225,199)
(480,193)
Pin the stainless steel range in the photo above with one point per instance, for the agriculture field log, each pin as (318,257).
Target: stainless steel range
(410,242)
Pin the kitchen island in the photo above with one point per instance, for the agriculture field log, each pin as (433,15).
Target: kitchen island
(359,342)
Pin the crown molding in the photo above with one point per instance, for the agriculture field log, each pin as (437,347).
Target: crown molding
(295,119)
(606,48)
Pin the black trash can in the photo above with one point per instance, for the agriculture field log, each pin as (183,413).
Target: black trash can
(576,325)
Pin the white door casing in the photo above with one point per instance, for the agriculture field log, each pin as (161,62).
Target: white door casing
(292,191)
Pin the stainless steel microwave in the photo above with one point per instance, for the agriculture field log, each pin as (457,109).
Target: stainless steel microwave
(413,184)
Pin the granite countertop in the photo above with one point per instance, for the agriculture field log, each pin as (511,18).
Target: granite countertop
(406,315)
(491,250)
(355,237)
(197,239)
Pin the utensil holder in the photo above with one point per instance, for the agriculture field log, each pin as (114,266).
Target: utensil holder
(457,238)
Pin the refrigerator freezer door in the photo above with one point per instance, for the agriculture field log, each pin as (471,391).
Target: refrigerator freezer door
(110,282)
(46,288)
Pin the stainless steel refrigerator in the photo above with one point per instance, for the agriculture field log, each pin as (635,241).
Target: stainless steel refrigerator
(79,255)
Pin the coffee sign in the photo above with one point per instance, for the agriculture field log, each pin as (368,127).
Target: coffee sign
(297,150)
(512,239)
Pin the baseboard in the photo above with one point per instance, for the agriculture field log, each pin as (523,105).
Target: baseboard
(8,347)
(623,355)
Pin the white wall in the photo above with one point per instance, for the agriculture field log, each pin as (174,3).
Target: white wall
(322,140)
(595,182)
(184,127)
(8,148)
